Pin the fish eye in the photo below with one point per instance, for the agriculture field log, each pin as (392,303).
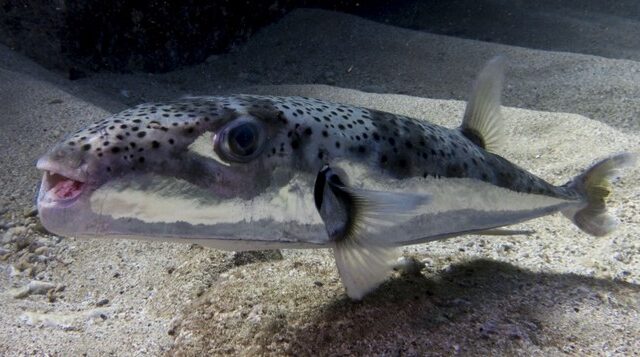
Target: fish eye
(240,141)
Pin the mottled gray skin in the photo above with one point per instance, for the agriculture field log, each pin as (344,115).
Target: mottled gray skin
(304,133)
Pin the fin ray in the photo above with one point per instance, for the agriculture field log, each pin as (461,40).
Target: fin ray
(482,122)
(594,184)
(362,266)
(350,216)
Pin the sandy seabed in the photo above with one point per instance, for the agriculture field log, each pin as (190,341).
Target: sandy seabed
(557,291)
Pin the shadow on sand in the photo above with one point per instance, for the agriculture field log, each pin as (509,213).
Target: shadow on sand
(477,307)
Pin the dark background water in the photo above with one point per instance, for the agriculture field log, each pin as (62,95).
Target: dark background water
(79,37)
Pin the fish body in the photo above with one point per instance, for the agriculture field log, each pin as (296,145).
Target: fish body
(258,172)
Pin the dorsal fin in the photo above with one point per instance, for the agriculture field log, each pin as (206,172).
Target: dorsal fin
(482,122)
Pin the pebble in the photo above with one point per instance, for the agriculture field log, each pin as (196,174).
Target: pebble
(16,234)
(621,257)
(7,237)
(38,228)
(34,287)
(30,212)
(102,302)
(17,231)
(506,247)
(409,266)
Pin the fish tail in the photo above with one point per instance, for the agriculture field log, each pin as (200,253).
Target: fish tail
(594,185)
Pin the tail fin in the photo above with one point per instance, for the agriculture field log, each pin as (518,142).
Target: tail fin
(594,185)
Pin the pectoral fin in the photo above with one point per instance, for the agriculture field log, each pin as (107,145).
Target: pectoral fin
(350,215)
(362,266)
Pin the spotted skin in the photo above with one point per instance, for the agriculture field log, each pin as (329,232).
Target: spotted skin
(305,133)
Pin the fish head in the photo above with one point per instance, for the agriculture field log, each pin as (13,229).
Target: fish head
(200,170)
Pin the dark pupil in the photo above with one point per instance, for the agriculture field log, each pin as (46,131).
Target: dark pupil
(242,139)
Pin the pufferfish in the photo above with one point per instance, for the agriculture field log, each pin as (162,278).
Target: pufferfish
(247,172)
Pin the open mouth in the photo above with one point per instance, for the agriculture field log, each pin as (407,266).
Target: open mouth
(59,185)
(61,188)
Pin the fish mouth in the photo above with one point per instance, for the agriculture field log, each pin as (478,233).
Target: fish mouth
(60,186)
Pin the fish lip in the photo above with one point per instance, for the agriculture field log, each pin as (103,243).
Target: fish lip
(79,174)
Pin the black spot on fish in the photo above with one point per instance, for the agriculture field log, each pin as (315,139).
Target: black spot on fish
(454,171)
(86,147)
(155,144)
(115,149)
